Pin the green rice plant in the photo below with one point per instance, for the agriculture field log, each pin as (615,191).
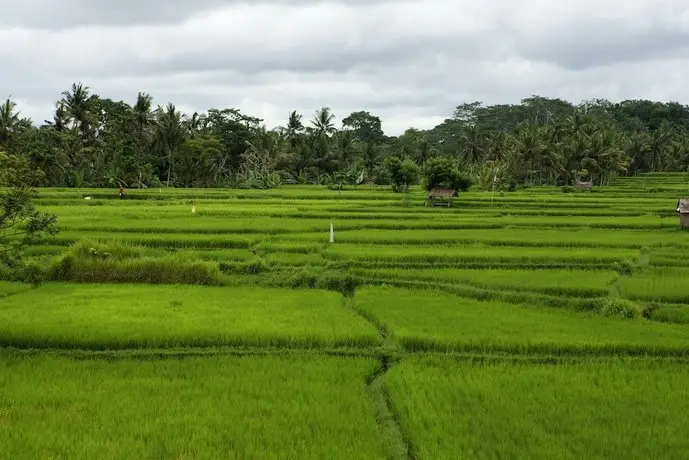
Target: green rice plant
(43,250)
(678,314)
(251,267)
(156,240)
(198,224)
(221,255)
(112,249)
(657,284)
(295,259)
(103,317)
(122,262)
(259,407)
(593,410)
(171,269)
(467,291)
(431,320)
(582,238)
(467,254)
(8,288)
(583,283)
(311,278)
(289,247)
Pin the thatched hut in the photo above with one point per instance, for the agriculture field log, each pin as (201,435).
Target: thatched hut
(441,197)
(584,185)
(683,210)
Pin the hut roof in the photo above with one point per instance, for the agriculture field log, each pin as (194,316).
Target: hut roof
(684,206)
(437,192)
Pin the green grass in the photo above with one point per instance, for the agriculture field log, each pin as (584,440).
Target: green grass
(554,282)
(522,237)
(667,284)
(127,370)
(267,407)
(427,320)
(9,288)
(594,410)
(177,240)
(136,316)
(671,314)
(516,256)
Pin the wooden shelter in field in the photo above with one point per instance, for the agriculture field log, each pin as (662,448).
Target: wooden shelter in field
(683,210)
(584,185)
(441,197)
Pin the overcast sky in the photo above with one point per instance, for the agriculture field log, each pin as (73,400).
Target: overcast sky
(409,62)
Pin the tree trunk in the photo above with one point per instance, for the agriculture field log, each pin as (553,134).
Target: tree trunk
(169,170)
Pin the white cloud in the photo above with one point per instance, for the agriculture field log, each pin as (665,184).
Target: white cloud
(409,62)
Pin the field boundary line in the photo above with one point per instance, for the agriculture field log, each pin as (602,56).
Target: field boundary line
(12,294)
(387,339)
(542,359)
(182,353)
(396,442)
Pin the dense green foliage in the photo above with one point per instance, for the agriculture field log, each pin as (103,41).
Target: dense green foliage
(93,141)
(20,223)
(401,173)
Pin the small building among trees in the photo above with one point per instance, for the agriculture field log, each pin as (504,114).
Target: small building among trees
(438,196)
(587,186)
(443,181)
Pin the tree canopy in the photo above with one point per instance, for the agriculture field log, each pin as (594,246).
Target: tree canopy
(20,223)
(99,142)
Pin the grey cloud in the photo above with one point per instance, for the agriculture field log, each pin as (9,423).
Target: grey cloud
(314,59)
(592,48)
(64,14)
(409,62)
(599,33)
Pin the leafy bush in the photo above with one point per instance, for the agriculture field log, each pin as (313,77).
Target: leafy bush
(21,225)
(402,174)
(625,267)
(442,172)
(117,250)
(173,269)
(93,261)
(616,307)
(252,267)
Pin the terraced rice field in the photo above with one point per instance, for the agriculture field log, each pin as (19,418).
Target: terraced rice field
(540,324)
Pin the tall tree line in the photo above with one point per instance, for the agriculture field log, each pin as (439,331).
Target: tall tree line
(98,142)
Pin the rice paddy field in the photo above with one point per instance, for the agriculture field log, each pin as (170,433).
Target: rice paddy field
(538,324)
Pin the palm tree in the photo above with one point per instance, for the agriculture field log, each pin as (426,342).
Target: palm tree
(170,134)
(60,118)
(9,118)
(194,124)
(497,146)
(472,145)
(529,148)
(346,145)
(323,122)
(660,142)
(610,157)
(143,118)
(76,106)
(424,151)
(637,145)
